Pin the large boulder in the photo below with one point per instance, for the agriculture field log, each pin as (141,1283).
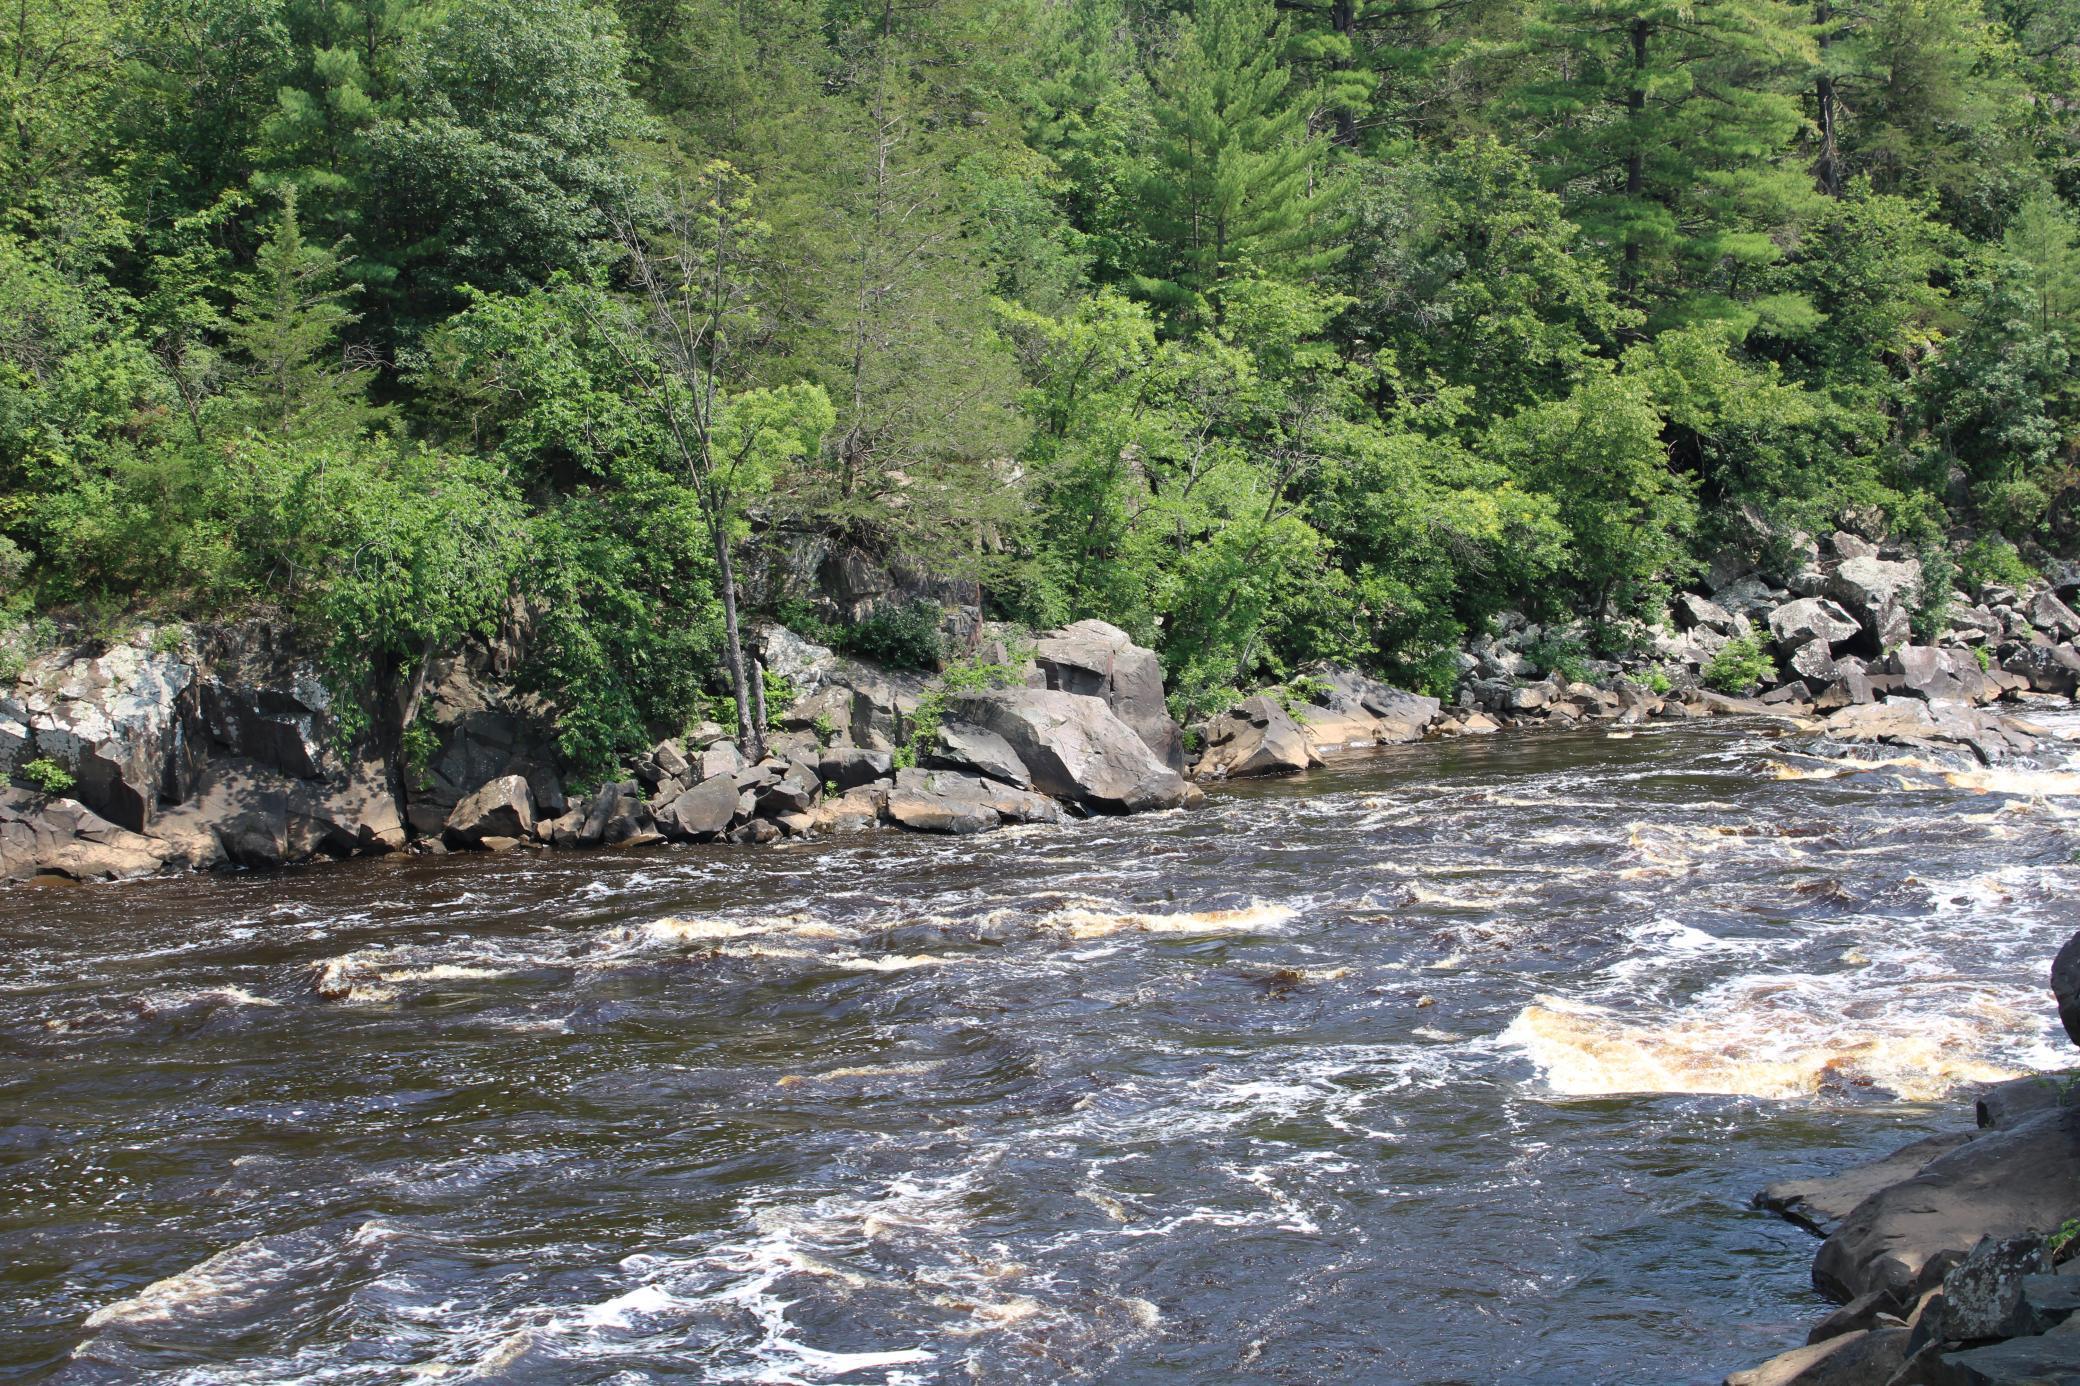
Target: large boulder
(1932,674)
(1692,612)
(1255,737)
(1905,1238)
(2052,616)
(2065,985)
(1075,748)
(1813,661)
(842,768)
(1102,661)
(43,836)
(705,811)
(1811,620)
(961,746)
(1880,595)
(117,721)
(941,801)
(2046,667)
(503,808)
(1982,1295)
(618,816)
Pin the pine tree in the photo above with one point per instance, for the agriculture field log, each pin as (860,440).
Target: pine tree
(1909,93)
(1238,180)
(287,323)
(1664,124)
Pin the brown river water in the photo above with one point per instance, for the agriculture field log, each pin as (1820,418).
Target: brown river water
(1454,1064)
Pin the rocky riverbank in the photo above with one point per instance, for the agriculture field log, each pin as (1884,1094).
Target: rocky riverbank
(188,748)
(1955,1260)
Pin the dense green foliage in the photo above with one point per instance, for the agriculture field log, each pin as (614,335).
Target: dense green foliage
(1266,330)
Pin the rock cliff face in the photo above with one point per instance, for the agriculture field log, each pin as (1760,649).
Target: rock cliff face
(184,749)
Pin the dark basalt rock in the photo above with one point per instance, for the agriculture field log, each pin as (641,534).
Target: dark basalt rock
(2065,985)
(1905,1238)
(1820,1205)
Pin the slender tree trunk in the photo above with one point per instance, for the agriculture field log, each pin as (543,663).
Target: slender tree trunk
(1636,152)
(1344,16)
(749,733)
(1829,171)
(758,696)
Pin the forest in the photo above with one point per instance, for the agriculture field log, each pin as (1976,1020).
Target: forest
(1268,332)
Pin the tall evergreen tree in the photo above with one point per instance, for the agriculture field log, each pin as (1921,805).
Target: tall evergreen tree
(1238,179)
(1664,123)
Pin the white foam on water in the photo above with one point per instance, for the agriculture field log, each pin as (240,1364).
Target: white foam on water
(1097,920)
(236,1278)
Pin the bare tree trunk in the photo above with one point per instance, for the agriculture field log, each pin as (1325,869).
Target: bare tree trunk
(1636,156)
(750,735)
(1829,171)
(758,699)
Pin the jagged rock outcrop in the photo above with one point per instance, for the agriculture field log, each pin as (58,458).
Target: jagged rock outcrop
(1098,660)
(115,719)
(1255,737)
(1880,595)
(44,836)
(1929,726)
(1345,710)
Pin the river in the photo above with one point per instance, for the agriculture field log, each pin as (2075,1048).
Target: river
(1458,1063)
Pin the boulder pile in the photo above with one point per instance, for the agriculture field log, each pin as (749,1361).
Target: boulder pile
(1955,1260)
(187,749)
(1832,648)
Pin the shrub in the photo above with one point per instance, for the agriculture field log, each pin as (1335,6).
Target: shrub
(1562,655)
(963,676)
(46,775)
(418,745)
(1992,559)
(1299,694)
(1739,666)
(902,637)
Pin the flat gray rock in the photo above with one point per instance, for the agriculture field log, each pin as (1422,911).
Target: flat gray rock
(1819,1205)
